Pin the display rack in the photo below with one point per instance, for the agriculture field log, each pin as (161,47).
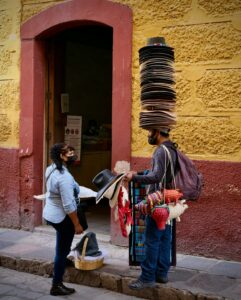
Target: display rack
(137,193)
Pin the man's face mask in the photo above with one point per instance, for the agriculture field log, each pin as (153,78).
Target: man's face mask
(152,138)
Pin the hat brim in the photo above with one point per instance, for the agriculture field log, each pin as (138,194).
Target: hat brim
(114,199)
(103,191)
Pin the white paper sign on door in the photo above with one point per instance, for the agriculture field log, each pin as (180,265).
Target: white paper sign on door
(73,132)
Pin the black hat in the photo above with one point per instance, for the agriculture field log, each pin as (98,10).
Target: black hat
(106,181)
(156,40)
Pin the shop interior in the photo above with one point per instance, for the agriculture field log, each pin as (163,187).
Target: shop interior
(80,112)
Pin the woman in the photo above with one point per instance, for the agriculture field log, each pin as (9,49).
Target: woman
(60,211)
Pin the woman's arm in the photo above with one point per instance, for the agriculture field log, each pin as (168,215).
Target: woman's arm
(74,218)
(68,201)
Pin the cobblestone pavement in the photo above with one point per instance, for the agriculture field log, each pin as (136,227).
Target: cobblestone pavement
(22,286)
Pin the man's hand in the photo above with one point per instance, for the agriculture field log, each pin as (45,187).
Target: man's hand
(129,175)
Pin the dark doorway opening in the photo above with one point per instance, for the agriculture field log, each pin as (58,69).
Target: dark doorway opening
(79,83)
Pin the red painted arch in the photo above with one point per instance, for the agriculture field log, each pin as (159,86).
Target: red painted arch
(32,88)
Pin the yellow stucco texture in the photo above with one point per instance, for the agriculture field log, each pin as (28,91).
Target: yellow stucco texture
(220,90)
(206,36)
(5,127)
(208,136)
(31,8)
(10,14)
(204,43)
(220,7)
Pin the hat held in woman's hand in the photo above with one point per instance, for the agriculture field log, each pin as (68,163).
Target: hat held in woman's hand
(108,185)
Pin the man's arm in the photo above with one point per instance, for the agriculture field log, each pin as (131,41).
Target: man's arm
(156,174)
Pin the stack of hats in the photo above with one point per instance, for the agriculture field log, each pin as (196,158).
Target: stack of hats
(158,96)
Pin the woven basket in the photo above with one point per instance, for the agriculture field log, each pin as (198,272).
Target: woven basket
(87,265)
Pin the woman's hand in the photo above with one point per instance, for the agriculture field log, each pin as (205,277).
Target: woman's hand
(74,218)
(78,229)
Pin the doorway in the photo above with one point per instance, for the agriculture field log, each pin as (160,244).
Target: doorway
(79,89)
(34,33)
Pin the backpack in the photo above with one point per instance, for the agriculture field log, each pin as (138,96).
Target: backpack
(187,177)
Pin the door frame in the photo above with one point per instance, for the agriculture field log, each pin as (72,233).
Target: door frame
(32,86)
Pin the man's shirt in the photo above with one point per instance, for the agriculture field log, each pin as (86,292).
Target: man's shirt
(160,174)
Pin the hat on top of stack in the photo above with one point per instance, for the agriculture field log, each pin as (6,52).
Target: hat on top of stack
(158,96)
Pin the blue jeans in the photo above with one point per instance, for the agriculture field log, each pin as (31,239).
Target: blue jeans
(64,237)
(157,251)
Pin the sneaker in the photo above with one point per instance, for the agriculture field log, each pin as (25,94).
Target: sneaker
(138,285)
(163,279)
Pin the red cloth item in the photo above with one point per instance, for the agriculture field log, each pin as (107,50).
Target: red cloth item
(124,212)
(171,196)
(160,216)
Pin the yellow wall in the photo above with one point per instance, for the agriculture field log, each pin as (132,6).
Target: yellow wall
(10,13)
(206,35)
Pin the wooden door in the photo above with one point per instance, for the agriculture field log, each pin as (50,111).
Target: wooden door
(49,100)
(55,85)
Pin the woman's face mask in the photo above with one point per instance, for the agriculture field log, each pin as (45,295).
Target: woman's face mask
(71,159)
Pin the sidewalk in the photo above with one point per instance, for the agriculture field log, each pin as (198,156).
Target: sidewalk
(193,277)
(15,285)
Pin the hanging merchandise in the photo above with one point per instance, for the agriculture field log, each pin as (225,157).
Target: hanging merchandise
(123,212)
(137,195)
(157,198)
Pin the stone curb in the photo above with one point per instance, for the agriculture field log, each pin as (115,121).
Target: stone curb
(111,280)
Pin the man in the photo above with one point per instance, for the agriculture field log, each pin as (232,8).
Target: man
(156,264)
